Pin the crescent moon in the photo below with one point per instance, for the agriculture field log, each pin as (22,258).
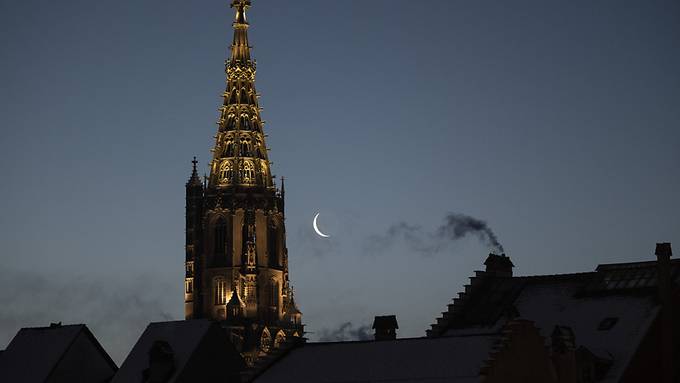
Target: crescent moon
(316,228)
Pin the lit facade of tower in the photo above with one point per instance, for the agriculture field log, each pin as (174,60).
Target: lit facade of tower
(236,255)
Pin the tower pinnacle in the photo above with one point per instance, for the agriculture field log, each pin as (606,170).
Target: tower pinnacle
(240,157)
(241,7)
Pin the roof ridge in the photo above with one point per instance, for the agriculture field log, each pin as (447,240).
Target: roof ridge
(53,327)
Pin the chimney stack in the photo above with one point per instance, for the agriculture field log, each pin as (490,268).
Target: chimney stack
(499,265)
(385,327)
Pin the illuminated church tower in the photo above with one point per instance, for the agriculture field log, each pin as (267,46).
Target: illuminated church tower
(236,255)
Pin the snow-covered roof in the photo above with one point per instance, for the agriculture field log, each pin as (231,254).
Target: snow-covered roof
(183,336)
(552,304)
(447,359)
(198,350)
(609,310)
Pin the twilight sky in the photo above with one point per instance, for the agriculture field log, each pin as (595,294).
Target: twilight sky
(556,123)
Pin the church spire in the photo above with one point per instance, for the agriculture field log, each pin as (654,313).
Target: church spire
(240,51)
(240,154)
(235,224)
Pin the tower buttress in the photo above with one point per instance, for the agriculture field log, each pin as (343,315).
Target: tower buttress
(193,234)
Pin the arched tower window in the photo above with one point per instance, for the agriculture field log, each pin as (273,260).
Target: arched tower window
(232,98)
(247,172)
(280,339)
(226,172)
(274,293)
(220,290)
(245,122)
(220,237)
(229,149)
(266,341)
(245,148)
(231,122)
(244,96)
(273,245)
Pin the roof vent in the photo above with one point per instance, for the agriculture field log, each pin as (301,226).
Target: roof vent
(385,327)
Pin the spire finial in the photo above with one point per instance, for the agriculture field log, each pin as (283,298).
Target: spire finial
(241,7)
(194,180)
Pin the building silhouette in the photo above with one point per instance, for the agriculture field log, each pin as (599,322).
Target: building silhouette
(236,255)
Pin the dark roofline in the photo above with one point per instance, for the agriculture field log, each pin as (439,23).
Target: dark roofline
(89,334)
(632,265)
(582,274)
(484,333)
(100,348)
(293,347)
(53,326)
(600,267)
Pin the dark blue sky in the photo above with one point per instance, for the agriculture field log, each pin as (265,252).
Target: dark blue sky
(557,123)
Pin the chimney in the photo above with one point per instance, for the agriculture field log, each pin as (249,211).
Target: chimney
(499,265)
(385,327)
(663,269)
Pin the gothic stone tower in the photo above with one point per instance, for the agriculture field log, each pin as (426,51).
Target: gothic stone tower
(236,255)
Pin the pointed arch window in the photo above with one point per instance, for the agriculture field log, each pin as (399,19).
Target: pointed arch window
(229,149)
(231,122)
(247,172)
(273,244)
(274,293)
(244,96)
(226,172)
(242,122)
(266,341)
(220,290)
(232,98)
(280,339)
(220,237)
(245,148)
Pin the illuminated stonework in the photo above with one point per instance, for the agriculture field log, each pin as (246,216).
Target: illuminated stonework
(236,255)
(239,143)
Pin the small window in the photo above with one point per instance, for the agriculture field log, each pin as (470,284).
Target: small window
(607,323)
(220,288)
